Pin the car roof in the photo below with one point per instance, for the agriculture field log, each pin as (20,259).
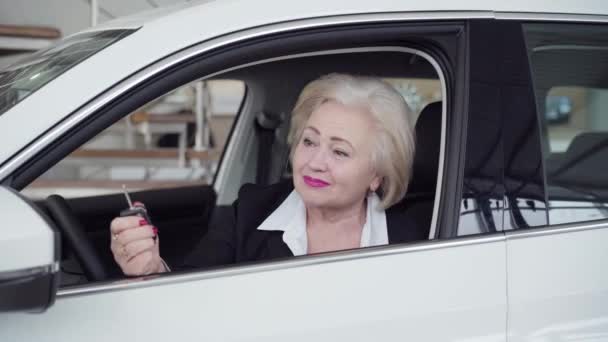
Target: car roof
(162,32)
(235,11)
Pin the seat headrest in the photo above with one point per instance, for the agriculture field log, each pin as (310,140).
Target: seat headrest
(579,165)
(426,159)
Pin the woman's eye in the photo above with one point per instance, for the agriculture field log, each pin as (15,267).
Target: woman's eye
(307,142)
(340,153)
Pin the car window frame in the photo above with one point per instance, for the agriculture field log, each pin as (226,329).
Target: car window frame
(168,65)
(89,123)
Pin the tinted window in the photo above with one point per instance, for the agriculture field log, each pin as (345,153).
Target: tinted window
(570,68)
(503,184)
(28,75)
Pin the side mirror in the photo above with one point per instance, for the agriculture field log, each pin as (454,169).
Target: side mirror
(29,255)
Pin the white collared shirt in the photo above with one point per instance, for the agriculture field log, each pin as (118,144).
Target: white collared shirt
(290,217)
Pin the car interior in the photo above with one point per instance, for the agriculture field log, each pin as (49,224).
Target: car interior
(256,151)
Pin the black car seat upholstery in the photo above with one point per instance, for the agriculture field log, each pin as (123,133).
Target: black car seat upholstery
(426,160)
(421,191)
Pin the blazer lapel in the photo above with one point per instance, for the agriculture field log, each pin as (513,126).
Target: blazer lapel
(401,227)
(275,247)
(265,245)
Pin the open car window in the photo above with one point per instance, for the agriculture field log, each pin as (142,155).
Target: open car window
(188,180)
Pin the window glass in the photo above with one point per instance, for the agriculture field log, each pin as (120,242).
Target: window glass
(577,153)
(29,74)
(503,186)
(570,69)
(161,145)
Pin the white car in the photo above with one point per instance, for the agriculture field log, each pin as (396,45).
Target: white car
(515,207)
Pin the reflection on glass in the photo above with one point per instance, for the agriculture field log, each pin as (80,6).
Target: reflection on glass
(29,74)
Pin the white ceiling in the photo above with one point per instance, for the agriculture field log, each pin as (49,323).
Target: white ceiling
(70,16)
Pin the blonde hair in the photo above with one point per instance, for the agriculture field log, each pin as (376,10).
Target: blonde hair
(393,153)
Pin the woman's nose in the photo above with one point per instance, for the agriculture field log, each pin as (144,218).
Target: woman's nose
(318,161)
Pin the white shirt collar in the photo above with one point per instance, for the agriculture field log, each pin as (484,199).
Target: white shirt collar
(290,217)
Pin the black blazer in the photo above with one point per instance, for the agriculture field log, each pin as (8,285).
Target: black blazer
(233,236)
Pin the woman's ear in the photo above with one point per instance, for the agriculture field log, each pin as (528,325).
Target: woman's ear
(375,184)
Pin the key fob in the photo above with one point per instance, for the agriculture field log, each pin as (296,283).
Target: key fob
(135,210)
(138,211)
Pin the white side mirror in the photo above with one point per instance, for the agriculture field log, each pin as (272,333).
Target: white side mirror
(29,255)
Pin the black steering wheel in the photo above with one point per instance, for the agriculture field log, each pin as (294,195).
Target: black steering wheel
(73,232)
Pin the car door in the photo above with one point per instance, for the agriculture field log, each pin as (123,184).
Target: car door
(557,282)
(449,288)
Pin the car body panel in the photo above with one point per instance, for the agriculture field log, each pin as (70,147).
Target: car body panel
(390,296)
(558,284)
(243,12)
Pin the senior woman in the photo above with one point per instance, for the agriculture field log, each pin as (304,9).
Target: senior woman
(352,148)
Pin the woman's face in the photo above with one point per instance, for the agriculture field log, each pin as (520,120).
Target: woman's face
(332,164)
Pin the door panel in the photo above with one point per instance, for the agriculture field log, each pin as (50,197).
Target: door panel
(455,293)
(558,286)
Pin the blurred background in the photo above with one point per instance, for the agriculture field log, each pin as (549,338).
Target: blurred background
(38,22)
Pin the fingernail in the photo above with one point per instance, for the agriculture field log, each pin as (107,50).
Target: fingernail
(155,230)
(143,222)
(138,204)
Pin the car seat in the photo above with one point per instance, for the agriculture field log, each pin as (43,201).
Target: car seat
(421,191)
(580,165)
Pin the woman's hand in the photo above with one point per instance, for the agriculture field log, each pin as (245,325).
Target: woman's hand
(134,245)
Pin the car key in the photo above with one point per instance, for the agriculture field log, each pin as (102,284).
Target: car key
(134,210)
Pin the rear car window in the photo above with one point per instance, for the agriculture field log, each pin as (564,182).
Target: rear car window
(34,71)
(570,69)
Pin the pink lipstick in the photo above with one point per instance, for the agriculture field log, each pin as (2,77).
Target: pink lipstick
(315,183)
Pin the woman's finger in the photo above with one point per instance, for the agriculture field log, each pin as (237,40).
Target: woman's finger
(137,247)
(120,254)
(142,232)
(120,224)
(145,262)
